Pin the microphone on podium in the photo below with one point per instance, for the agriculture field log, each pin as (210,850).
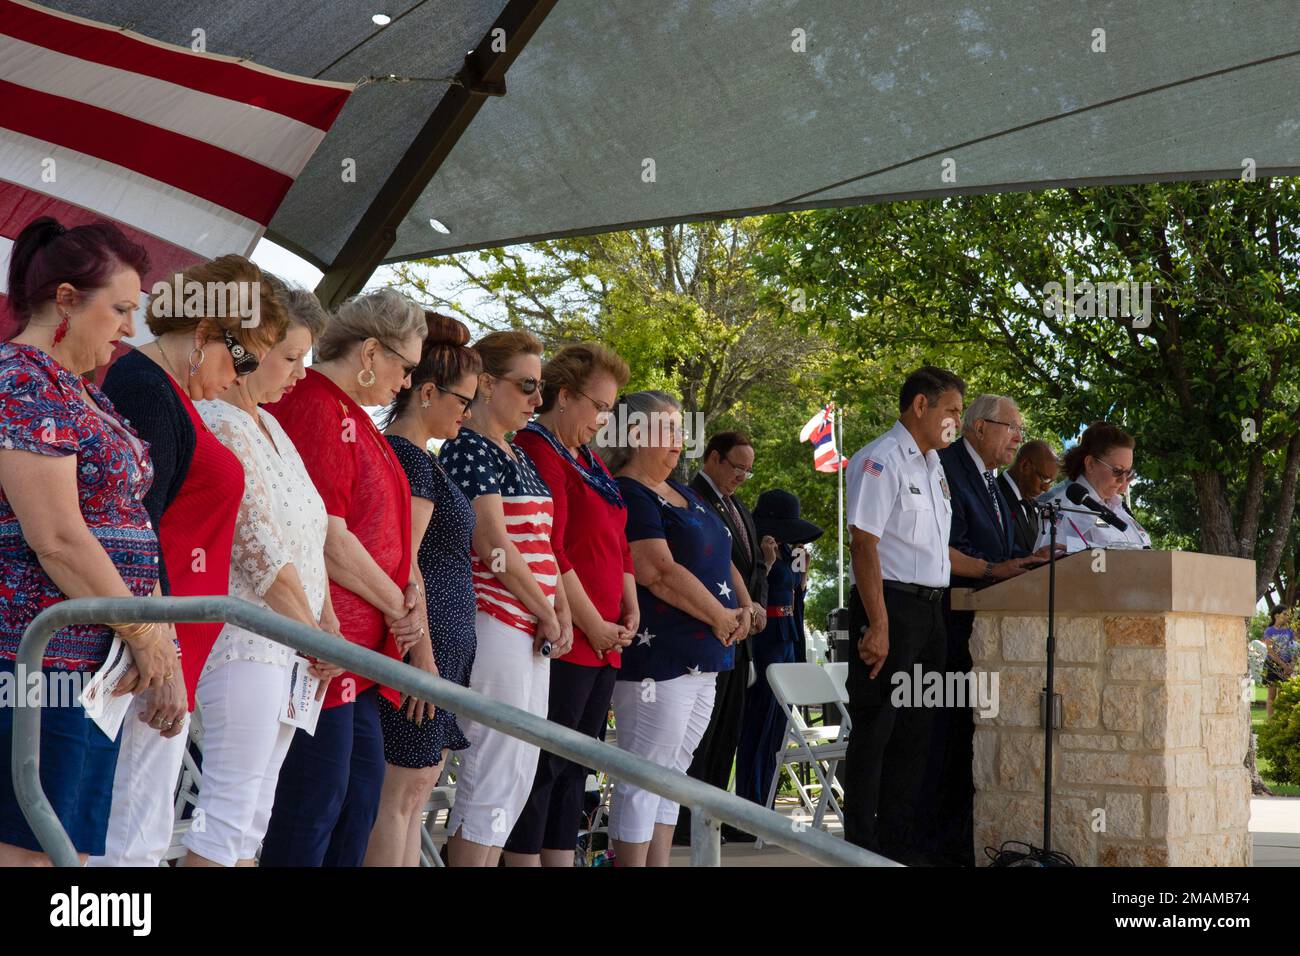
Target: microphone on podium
(1079,495)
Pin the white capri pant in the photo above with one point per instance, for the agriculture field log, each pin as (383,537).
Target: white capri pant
(244,745)
(144,793)
(662,721)
(496,773)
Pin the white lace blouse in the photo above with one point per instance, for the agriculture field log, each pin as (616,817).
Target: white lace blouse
(281,521)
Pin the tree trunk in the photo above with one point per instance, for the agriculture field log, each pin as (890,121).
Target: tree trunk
(1215,514)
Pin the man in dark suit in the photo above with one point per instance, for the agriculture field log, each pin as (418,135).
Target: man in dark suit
(1032,473)
(728,462)
(982,549)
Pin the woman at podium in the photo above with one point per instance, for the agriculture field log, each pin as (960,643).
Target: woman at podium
(1101,464)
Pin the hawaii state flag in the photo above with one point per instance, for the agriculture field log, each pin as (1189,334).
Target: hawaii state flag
(820,430)
(189,153)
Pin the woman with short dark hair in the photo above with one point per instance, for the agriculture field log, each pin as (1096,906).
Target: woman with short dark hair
(1102,462)
(73,478)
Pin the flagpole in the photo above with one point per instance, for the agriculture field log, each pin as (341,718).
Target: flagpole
(839,500)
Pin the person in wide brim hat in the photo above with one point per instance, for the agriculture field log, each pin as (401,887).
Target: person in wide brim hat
(777,513)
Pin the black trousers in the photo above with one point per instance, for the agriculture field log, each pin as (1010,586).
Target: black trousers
(884,769)
(716,752)
(948,798)
(579,698)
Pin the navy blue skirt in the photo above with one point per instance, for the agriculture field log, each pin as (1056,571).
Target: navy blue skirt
(77,766)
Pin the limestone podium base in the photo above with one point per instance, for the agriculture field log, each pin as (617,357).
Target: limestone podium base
(1149,763)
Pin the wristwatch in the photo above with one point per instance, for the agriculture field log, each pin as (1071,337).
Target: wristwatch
(988,570)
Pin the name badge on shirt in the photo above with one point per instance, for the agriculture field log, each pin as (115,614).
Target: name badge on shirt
(301,708)
(943,483)
(913,489)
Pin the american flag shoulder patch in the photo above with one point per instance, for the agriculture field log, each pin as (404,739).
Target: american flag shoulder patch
(873,468)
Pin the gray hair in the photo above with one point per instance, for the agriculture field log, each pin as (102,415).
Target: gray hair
(384,314)
(985,407)
(615,439)
(302,306)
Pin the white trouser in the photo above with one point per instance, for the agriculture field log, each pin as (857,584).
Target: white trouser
(244,745)
(496,773)
(663,722)
(144,793)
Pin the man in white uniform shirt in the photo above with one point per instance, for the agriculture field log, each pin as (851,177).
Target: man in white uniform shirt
(899,516)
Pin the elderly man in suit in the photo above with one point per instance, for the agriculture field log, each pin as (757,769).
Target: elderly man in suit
(982,548)
(728,463)
(1032,473)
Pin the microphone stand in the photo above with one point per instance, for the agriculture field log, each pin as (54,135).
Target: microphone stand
(1051,513)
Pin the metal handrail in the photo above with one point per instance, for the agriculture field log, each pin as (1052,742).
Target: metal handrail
(710,806)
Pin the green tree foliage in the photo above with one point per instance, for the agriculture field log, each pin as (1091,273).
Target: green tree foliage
(1279,737)
(1208,383)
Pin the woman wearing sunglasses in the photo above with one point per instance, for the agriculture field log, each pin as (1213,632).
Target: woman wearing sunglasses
(1102,462)
(327,796)
(201,349)
(522,619)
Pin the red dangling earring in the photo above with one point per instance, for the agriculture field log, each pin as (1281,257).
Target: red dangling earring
(62,330)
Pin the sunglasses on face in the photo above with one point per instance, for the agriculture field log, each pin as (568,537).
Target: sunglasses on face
(465,403)
(407,365)
(245,362)
(527,385)
(1122,474)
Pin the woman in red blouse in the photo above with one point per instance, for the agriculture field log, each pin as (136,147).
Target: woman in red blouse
(204,343)
(328,793)
(591,550)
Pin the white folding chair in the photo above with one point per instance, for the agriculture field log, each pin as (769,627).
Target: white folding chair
(441,799)
(821,747)
(839,671)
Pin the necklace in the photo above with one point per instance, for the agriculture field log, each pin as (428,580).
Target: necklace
(171,368)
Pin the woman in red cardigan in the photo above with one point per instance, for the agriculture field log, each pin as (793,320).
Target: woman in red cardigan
(327,797)
(581,384)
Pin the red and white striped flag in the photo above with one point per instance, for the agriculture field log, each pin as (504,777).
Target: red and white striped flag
(191,153)
(820,430)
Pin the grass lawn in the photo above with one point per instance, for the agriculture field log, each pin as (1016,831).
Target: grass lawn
(1257,717)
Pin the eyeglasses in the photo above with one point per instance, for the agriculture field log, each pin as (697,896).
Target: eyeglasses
(742,473)
(407,365)
(1123,474)
(602,410)
(1015,429)
(245,362)
(528,385)
(465,403)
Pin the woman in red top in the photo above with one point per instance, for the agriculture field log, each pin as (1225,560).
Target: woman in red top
(328,793)
(581,384)
(202,347)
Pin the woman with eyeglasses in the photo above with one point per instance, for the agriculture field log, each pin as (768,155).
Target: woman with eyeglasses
(590,543)
(522,620)
(203,346)
(1102,462)
(418,736)
(327,797)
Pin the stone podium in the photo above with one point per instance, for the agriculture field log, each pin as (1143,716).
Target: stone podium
(1148,762)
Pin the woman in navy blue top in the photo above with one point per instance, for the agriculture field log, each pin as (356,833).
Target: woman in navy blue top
(417,736)
(694,607)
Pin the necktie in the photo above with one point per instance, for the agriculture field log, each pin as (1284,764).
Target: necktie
(993,493)
(740,525)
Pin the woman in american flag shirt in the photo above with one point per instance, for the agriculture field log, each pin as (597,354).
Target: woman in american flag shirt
(522,618)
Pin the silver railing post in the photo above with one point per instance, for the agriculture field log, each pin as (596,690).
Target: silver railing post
(706,839)
(711,805)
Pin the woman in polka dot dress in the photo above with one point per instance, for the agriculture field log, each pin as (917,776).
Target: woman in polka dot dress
(417,737)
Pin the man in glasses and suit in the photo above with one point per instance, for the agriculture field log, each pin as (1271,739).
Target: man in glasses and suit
(982,550)
(1032,473)
(728,463)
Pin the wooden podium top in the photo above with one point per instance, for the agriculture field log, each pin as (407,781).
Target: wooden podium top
(1142,581)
